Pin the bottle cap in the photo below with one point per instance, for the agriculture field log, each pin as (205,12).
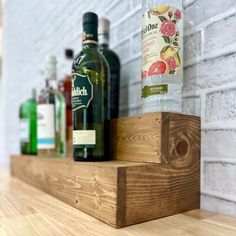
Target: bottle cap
(69,53)
(34,94)
(50,67)
(90,18)
(103,26)
(50,59)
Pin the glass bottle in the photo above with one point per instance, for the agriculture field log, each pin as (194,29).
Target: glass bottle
(90,97)
(114,64)
(51,115)
(28,125)
(162,55)
(64,87)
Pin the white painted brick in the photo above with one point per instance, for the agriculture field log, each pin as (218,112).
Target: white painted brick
(220,34)
(218,144)
(221,105)
(220,177)
(135,3)
(192,45)
(210,73)
(131,73)
(202,10)
(132,24)
(191,105)
(130,96)
(119,10)
(123,50)
(218,205)
(136,43)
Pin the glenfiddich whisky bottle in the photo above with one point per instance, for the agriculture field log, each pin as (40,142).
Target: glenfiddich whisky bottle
(114,64)
(51,115)
(90,97)
(28,126)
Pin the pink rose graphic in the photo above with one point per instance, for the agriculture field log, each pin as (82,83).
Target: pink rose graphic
(171,63)
(167,28)
(177,14)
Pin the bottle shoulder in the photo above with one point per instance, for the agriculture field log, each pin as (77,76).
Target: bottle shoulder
(89,58)
(108,53)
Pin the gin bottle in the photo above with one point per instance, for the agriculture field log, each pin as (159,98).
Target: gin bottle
(51,114)
(28,125)
(162,60)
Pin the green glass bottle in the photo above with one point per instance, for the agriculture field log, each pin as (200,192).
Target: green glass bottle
(114,64)
(28,126)
(90,97)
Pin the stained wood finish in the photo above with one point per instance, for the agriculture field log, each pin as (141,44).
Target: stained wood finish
(26,211)
(155,137)
(137,138)
(118,193)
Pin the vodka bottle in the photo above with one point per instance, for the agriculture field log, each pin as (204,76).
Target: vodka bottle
(162,49)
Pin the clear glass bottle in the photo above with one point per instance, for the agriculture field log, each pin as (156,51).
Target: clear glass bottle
(90,97)
(51,115)
(114,64)
(28,125)
(64,87)
(162,56)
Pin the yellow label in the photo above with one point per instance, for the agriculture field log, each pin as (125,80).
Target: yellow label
(161,41)
(84,137)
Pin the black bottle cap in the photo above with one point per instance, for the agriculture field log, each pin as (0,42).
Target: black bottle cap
(69,53)
(90,18)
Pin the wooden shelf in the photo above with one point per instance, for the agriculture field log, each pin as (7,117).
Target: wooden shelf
(161,179)
(118,193)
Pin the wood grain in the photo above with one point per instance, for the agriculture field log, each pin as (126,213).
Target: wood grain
(155,137)
(90,188)
(48,217)
(118,193)
(137,138)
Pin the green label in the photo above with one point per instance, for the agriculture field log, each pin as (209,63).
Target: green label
(82,91)
(154,90)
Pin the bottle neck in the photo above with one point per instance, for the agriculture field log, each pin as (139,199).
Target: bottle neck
(52,84)
(103,40)
(90,36)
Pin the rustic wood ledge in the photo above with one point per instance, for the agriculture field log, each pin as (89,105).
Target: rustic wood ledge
(25,210)
(117,192)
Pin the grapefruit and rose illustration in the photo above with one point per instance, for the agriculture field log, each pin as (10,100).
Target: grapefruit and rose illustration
(169,60)
(157,68)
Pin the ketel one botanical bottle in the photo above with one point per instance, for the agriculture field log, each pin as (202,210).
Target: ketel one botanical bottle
(90,97)
(28,125)
(51,115)
(64,87)
(114,64)
(162,49)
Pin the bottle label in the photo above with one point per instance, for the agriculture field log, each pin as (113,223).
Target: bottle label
(82,91)
(84,137)
(161,41)
(154,90)
(25,130)
(46,126)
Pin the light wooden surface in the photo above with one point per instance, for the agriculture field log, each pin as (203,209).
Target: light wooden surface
(118,193)
(157,137)
(26,211)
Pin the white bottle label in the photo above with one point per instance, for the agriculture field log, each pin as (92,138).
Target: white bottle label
(161,46)
(46,126)
(84,137)
(25,130)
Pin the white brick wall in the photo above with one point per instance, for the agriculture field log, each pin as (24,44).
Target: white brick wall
(36,28)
